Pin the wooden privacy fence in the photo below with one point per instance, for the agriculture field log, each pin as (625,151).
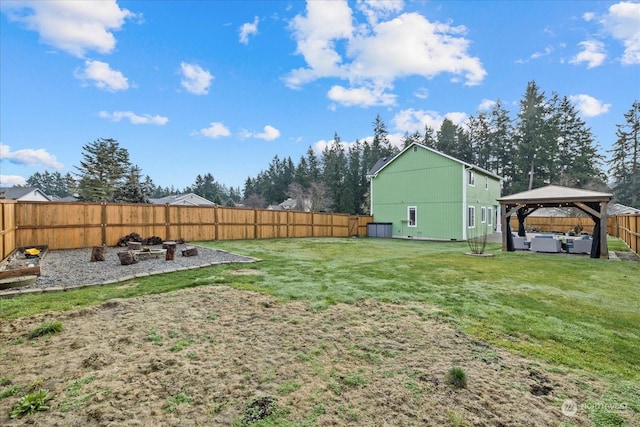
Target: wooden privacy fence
(563,224)
(61,225)
(628,227)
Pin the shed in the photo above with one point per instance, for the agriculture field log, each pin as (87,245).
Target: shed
(593,203)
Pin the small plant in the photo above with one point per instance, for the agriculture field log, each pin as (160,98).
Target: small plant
(31,403)
(9,391)
(457,378)
(178,399)
(155,338)
(46,329)
(477,244)
(180,345)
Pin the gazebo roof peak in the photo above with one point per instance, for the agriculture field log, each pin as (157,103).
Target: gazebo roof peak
(554,193)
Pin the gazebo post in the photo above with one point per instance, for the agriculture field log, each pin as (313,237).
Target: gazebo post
(604,249)
(504,219)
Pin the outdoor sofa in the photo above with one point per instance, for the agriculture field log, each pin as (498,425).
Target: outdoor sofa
(546,243)
(581,245)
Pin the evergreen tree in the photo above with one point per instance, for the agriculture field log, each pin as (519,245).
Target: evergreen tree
(479,134)
(429,138)
(536,141)
(335,166)
(53,184)
(447,138)
(578,162)
(502,146)
(102,169)
(624,165)
(133,190)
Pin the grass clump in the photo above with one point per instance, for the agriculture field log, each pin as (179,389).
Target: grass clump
(46,329)
(176,400)
(9,391)
(457,378)
(31,403)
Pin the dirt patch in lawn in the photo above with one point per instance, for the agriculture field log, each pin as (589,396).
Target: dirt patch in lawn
(214,356)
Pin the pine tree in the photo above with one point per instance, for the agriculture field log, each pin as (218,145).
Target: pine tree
(102,170)
(624,165)
(133,190)
(503,146)
(536,141)
(447,138)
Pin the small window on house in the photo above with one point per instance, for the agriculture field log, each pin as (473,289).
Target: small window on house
(486,183)
(489,216)
(483,214)
(471,217)
(412,216)
(471,178)
(415,149)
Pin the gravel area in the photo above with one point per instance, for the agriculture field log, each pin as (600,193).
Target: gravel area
(63,269)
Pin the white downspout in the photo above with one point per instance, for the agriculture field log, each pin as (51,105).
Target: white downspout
(465,211)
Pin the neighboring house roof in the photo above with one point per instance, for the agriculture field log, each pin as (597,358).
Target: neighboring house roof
(287,205)
(24,193)
(618,209)
(189,199)
(557,194)
(382,163)
(613,209)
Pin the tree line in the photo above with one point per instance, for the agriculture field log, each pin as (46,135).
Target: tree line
(545,142)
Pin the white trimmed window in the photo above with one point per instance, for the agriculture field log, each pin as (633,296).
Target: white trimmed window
(489,216)
(471,217)
(486,183)
(412,216)
(471,178)
(483,214)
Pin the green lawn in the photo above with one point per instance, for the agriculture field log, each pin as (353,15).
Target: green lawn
(572,311)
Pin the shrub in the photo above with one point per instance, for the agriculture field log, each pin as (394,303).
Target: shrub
(457,378)
(31,403)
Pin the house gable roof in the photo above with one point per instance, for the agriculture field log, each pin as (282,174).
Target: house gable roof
(182,199)
(382,163)
(16,193)
(556,194)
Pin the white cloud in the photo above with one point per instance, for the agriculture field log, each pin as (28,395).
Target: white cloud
(486,105)
(422,93)
(215,130)
(622,22)
(361,96)
(102,76)
(29,157)
(195,79)
(269,133)
(376,53)
(135,119)
(73,26)
(588,16)
(12,180)
(248,29)
(592,53)
(411,120)
(589,106)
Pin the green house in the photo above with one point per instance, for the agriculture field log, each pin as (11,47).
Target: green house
(422,193)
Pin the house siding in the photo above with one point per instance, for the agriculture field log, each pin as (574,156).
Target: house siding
(428,181)
(436,185)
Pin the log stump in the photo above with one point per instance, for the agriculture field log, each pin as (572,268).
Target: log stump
(97,253)
(134,246)
(127,257)
(190,251)
(171,250)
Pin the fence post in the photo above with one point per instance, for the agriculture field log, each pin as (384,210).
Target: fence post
(103,222)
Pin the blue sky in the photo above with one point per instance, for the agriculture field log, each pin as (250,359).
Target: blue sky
(221,87)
